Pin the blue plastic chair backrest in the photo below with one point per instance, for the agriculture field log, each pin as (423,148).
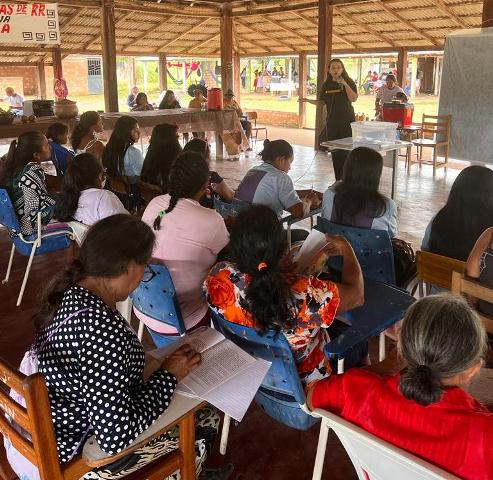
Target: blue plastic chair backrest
(8,216)
(157,299)
(282,378)
(226,209)
(373,249)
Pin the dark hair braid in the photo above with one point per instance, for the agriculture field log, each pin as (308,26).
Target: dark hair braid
(188,174)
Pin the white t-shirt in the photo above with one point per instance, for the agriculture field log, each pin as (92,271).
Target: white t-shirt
(385,94)
(133,161)
(15,101)
(267,185)
(96,204)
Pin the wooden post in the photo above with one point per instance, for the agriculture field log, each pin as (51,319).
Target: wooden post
(325,19)
(109,56)
(414,71)
(41,80)
(302,81)
(226,47)
(402,68)
(131,73)
(237,80)
(56,55)
(487,20)
(163,72)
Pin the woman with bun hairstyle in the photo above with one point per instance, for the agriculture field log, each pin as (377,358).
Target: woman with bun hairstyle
(83,197)
(85,135)
(424,409)
(338,93)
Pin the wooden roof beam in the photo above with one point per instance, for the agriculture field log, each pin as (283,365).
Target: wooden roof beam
(270,37)
(315,24)
(408,24)
(144,34)
(117,24)
(448,11)
(291,31)
(203,42)
(263,11)
(183,34)
(243,39)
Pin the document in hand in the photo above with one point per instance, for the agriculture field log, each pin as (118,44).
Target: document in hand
(310,251)
(228,377)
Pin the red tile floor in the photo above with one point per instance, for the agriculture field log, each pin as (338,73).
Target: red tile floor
(260,448)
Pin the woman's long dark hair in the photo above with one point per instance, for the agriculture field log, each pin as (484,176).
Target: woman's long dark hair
(163,149)
(110,245)
(82,173)
(344,74)
(257,238)
(200,146)
(21,152)
(165,101)
(118,144)
(466,215)
(357,193)
(55,130)
(83,128)
(189,172)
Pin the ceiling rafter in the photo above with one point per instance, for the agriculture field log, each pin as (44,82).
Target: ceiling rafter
(448,11)
(144,34)
(98,35)
(401,19)
(203,42)
(291,31)
(267,35)
(183,34)
(243,39)
(335,35)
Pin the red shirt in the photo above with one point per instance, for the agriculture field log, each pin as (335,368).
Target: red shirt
(455,433)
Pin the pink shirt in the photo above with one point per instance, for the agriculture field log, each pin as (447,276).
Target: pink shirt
(188,242)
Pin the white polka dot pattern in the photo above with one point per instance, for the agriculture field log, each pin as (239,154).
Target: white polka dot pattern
(94,367)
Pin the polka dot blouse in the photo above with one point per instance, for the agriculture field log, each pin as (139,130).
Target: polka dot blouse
(93,366)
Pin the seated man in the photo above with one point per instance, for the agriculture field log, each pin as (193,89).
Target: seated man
(385,94)
(15,101)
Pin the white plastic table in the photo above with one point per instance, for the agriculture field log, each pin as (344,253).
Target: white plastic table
(382,147)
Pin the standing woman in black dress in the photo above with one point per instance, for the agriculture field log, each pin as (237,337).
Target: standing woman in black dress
(338,94)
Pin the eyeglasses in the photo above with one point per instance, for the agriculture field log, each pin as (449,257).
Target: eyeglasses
(149,274)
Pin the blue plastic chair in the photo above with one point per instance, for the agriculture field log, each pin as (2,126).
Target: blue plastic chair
(32,245)
(384,306)
(156,297)
(226,209)
(373,249)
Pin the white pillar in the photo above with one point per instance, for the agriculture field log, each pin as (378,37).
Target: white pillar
(414,71)
(144,64)
(184,74)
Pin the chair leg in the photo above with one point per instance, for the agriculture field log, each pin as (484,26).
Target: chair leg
(381,347)
(435,160)
(288,234)
(340,365)
(421,289)
(446,156)
(11,261)
(225,434)
(26,275)
(321,447)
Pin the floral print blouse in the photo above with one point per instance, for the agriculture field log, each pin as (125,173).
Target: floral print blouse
(315,300)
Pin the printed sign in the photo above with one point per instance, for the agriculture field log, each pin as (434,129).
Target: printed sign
(29,23)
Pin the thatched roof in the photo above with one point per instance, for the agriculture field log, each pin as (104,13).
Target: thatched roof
(261,27)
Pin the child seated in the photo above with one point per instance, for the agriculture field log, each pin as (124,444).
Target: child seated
(57,136)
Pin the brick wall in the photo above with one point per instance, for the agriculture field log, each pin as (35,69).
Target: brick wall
(75,74)
(24,80)
(283,119)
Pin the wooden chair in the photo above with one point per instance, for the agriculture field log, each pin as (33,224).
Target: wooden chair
(41,449)
(472,288)
(252,117)
(438,127)
(434,269)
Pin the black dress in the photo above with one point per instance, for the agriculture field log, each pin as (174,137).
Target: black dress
(340,114)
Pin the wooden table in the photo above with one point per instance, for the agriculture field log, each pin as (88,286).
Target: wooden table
(41,125)
(392,146)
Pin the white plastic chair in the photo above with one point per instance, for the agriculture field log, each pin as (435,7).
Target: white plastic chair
(373,458)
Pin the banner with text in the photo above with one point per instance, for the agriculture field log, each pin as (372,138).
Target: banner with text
(29,23)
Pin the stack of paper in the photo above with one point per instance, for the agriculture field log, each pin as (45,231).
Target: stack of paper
(310,250)
(228,377)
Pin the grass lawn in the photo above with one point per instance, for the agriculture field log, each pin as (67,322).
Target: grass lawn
(252,101)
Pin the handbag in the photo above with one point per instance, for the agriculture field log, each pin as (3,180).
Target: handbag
(404,262)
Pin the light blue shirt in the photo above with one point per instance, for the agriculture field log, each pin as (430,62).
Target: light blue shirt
(133,161)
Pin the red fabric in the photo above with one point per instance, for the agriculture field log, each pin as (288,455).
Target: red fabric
(455,434)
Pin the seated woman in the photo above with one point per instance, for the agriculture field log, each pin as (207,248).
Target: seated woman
(83,197)
(424,409)
(169,101)
(141,103)
(355,200)
(85,135)
(163,149)
(121,157)
(269,184)
(81,303)
(57,135)
(189,237)
(216,182)
(252,290)
(24,180)
(453,231)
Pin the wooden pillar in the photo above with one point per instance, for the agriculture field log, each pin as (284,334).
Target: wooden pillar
(402,68)
(41,80)
(302,81)
(109,56)
(325,19)
(414,71)
(487,19)
(163,72)
(131,73)
(56,55)
(226,40)
(237,79)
